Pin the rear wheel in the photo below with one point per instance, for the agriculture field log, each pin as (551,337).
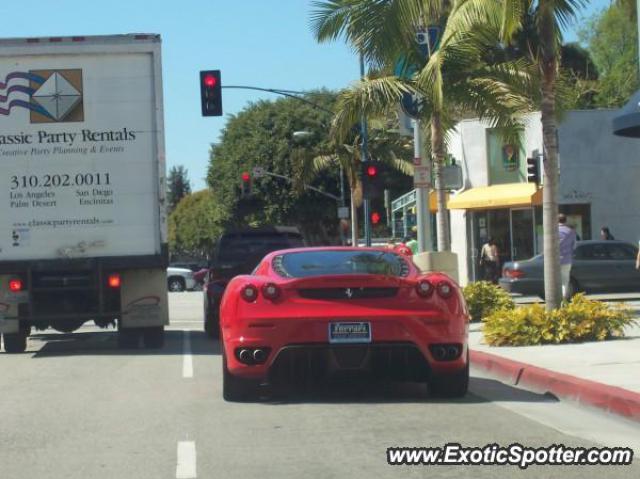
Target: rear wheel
(451,385)
(212,326)
(153,338)
(15,342)
(237,389)
(176,284)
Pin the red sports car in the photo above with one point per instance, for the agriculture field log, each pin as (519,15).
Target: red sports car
(305,314)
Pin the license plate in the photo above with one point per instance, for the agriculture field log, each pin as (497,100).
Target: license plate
(350,332)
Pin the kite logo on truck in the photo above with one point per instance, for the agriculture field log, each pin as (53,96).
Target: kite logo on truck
(54,96)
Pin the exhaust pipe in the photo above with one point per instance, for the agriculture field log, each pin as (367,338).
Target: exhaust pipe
(259,356)
(439,353)
(245,356)
(453,352)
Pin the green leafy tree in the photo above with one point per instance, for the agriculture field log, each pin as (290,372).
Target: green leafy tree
(612,39)
(178,186)
(195,224)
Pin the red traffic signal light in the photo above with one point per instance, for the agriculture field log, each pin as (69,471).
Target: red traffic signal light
(375,218)
(372,170)
(246,177)
(245,186)
(211,93)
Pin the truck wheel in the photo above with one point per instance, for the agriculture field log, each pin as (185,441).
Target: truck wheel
(176,285)
(236,389)
(153,337)
(15,343)
(450,385)
(128,338)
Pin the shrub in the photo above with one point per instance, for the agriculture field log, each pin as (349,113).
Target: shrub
(484,298)
(581,319)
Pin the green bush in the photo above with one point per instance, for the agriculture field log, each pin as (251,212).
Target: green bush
(484,298)
(579,320)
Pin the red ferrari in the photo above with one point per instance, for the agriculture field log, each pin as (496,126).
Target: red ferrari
(306,314)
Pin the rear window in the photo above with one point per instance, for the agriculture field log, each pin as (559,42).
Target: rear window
(318,263)
(239,247)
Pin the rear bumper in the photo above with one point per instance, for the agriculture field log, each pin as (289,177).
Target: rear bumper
(525,287)
(400,348)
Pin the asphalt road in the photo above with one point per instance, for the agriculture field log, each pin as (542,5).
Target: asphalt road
(74,406)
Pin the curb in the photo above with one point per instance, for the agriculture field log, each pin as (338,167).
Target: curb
(602,396)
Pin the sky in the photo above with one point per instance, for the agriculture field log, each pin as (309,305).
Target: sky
(264,43)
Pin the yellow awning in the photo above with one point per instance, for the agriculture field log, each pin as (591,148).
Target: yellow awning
(497,196)
(433,202)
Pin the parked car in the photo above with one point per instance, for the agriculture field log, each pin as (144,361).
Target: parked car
(192,265)
(180,279)
(239,252)
(598,267)
(309,313)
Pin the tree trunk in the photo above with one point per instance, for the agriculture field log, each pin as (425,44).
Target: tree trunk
(551,175)
(354,219)
(437,148)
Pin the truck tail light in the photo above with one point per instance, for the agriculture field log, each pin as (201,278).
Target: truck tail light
(15,285)
(114,280)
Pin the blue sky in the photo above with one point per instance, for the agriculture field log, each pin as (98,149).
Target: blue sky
(264,43)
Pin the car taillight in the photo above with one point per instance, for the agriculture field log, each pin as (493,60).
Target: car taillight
(249,293)
(271,291)
(15,285)
(114,280)
(513,273)
(445,290)
(424,288)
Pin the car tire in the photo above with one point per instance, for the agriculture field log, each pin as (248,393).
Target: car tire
(15,343)
(176,284)
(212,326)
(574,288)
(128,338)
(153,338)
(451,385)
(235,389)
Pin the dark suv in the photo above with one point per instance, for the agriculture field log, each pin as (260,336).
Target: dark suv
(239,252)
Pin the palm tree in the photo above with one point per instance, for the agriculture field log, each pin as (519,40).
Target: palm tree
(454,78)
(549,18)
(384,146)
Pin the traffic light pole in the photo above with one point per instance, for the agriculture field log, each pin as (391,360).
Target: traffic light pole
(422,193)
(364,155)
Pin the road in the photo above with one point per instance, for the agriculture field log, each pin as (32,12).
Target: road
(74,406)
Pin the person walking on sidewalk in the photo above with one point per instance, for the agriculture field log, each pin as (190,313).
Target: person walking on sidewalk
(605,234)
(567,244)
(411,243)
(490,261)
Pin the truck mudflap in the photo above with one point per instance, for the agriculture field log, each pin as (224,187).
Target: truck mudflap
(144,298)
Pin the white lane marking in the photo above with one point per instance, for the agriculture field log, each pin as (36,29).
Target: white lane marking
(187,358)
(186,467)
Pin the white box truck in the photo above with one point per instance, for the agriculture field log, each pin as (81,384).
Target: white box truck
(82,185)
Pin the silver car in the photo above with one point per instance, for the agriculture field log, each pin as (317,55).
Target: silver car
(598,267)
(180,279)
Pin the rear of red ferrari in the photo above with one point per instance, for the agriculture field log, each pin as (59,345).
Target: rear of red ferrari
(310,314)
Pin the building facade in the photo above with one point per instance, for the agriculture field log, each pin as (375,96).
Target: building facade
(599,186)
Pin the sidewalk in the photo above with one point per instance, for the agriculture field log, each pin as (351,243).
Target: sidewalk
(602,374)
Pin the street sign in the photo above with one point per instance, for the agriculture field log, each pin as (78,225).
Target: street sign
(258,171)
(452,177)
(422,176)
(343,212)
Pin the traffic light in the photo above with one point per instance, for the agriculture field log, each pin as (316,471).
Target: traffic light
(375,218)
(211,93)
(372,186)
(533,170)
(245,184)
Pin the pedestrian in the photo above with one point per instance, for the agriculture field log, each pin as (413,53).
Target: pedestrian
(411,243)
(605,234)
(567,244)
(490,261)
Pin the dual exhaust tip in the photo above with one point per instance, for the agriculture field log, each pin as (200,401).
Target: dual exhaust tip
(446,352)
(252,355)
